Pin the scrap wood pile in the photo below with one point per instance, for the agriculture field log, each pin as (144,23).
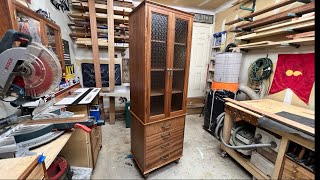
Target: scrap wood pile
(80,23)
(295,27)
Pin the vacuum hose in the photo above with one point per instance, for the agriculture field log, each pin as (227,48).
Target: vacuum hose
(252,146)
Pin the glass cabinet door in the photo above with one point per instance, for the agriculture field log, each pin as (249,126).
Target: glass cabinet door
(179,63)
(30,26)
(51,37)
(159,33)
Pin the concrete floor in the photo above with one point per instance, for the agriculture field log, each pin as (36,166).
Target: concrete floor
(201,159)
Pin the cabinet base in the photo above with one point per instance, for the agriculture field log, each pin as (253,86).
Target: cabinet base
(146,173)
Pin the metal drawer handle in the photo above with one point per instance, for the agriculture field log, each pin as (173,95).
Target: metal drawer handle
(165,157)
(166,135)
(165,146)
(166,127)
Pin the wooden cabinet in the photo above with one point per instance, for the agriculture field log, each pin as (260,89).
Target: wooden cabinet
(160,42)
(21,18)
(292,170)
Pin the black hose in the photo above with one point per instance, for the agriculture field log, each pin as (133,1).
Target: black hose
(260,69)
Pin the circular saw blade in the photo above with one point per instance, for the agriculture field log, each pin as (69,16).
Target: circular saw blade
(44,71)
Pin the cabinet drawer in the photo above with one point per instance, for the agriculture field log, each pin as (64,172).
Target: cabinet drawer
(292,170)
(164,126)
(163,158)
(164,137)
(159,149)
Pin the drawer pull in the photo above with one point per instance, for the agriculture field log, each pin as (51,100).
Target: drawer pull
(165,146)
(294,171)
(166,127)
(165,157)
(165,136)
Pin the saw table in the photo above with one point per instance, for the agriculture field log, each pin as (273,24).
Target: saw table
(253,110)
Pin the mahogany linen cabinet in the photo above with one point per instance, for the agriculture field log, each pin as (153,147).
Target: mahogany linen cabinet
(160,42)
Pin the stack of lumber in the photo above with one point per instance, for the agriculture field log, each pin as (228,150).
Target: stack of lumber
(102,42)
(284,24)
(80,22)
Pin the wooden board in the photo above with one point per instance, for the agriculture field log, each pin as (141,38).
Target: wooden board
(266,108)
(301,35)
(102,8)
(300,41)
(278,17)
(282,30)
(267,9)
(292,22)
(52,149)
(99,16)
(13,168)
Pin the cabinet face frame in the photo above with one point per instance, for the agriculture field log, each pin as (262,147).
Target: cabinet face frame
(172,15)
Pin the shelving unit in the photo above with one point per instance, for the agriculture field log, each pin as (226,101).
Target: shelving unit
(217,47)
(100,25)
(80,26)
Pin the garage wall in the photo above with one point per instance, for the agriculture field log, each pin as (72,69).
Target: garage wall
(248,58)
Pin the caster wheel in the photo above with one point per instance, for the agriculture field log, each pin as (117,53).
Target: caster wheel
(177,161)
(146,176)
(223,154)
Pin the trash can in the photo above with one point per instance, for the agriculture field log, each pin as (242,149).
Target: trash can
(127,107)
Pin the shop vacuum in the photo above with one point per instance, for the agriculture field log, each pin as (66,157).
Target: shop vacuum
(214,107)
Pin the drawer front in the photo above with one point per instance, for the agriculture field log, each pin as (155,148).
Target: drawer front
(161,149)
(164,126)
(164,137)
(164,157)
(292,170)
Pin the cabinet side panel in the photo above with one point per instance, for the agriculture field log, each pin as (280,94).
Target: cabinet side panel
(137,62)
(137,141)
(5,15)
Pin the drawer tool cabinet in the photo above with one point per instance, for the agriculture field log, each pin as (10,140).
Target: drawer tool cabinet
(160,42)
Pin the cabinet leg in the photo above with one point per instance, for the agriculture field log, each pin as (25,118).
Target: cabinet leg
(223,154)
(146,176)
(177,161)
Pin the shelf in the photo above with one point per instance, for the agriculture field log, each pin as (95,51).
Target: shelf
(157,69)
(178,69)
(270,44)
(159,92)
(211,69)
(209,80)
(181,44)
(306,8)
(284,30)
(101,8)
(158,41)
(215,47)
(176,91)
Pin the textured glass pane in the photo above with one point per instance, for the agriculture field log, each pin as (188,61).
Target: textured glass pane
(158,55)
(179,56)
(159,31)
(159,27)
(181,29)
(179,62)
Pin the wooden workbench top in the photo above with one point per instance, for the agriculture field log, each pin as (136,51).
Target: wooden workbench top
(273,106)
(52,149)
(268,108)
(12,168)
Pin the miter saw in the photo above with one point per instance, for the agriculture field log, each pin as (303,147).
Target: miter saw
(28,72)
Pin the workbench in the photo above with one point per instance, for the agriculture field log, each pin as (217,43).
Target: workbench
(77,146)
(250,111)
(21,167)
